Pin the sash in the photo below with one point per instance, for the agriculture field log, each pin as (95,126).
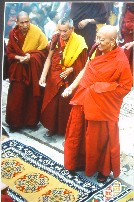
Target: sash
(35,39)
(74,47)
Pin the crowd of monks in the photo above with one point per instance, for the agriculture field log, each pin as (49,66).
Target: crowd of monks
(73,88)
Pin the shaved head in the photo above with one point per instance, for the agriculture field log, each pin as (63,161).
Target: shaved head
(22,14)
(23,22)
(106,38)
(109,31)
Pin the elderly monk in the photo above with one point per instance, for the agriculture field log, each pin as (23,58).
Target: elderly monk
(67,57)
(92,134)
(26,51)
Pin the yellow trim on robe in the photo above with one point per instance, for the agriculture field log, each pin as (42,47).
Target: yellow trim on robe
(74,47)
(35,39)
(93,55)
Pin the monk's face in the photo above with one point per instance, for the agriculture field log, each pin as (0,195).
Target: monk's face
(65,31)
(105,42)
(24,23)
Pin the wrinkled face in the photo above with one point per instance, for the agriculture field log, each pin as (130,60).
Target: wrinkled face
(104,42)
(65,31)
(24,24)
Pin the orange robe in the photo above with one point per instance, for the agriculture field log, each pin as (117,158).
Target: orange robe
(92,135)
(25,95)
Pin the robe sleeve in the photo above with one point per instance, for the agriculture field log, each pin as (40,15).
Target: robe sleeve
(10,47)
(13,47)
(125,82)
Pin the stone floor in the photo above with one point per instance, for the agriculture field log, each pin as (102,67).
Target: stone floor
(53,146)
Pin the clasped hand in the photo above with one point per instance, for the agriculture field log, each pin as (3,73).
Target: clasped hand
(66,72)
(25,59)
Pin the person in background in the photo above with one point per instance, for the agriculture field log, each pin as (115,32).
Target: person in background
(67,56)
(85,17)
(114,13)
(50,27)
(10,18)
(126,30)
(34,21)
(92,134)
(34,11)
(26,52)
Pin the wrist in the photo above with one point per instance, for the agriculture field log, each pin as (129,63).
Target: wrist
(71,87)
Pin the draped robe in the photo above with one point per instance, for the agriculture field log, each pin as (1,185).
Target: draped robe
(92,134)
(25,95)
(55,108)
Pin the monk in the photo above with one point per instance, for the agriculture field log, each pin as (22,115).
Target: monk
(92,134)
(126,30)
(67,57)
(26,52)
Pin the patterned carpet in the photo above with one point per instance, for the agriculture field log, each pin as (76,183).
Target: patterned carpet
(34,177)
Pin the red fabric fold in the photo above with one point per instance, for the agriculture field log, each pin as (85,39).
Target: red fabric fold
(106,81)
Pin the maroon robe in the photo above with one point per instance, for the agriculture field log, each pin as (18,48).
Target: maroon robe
(25,95)
(127,31)
(55,109)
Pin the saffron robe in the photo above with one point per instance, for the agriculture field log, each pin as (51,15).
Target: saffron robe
(25,95)
(55,109)
(92,134)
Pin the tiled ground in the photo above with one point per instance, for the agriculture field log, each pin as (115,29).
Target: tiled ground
(53,146)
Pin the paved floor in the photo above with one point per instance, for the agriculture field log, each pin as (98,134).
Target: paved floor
(53,146)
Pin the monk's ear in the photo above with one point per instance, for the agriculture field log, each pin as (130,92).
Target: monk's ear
(113,42)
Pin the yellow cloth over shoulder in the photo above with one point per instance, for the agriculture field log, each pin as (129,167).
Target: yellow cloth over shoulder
(74,47)
(35,39)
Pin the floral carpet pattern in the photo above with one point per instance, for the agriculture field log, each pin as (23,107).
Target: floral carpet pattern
(34,177)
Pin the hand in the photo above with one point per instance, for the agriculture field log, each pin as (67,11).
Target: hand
(66,72)
(42,81)
(83,23)
(128,45)
(25,59)
(28,56)
(68,91)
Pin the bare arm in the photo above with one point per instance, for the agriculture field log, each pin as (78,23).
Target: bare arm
(47,65)
(68,91)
